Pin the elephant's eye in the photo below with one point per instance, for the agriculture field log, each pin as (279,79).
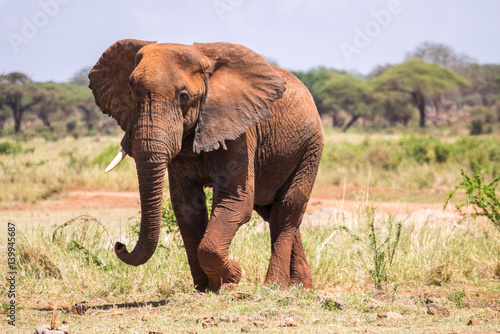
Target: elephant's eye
(183,98)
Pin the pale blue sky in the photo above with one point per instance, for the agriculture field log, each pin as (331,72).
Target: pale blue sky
(52,39)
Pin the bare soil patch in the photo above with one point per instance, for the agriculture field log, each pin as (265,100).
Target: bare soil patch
(333,197)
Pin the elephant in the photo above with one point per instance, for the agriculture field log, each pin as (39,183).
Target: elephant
(214,115)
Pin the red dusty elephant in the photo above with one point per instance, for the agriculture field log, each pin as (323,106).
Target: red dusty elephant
(215,115)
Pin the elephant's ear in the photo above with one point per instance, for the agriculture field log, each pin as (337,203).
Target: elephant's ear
(109,79)
(241,87)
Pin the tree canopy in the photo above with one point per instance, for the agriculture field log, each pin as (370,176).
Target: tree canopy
(420,80)
(350,94)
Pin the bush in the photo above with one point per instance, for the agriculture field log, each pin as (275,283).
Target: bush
(383,157)
(71,125)
(9,148)
(423,149)
(482,121)
(481,196)
(107,155)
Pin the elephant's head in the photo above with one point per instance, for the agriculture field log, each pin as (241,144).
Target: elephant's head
(160,93)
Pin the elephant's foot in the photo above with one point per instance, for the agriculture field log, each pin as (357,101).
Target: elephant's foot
(300,273)
(201,285)
(279,284)
(276,277)
(232,275)
(301,279)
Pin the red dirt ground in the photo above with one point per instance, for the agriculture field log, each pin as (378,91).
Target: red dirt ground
(97,199)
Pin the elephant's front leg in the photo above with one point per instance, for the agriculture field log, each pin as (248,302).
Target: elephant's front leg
(188,200)
(229,213)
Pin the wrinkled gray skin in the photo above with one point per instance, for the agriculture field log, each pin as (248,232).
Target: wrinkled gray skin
(215,115)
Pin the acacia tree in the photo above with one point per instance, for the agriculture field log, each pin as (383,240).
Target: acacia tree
(50,105)
(19,94)
(350,94)
(420,80)
(445,56)
(79,98)
(441,54)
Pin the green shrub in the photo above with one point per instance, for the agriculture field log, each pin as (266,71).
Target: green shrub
(49,135)
(423,149)
(71,125)
(382,251)
(9,148)
(476,127)
(481,196)
(383,157)
(107,155)
(482,121)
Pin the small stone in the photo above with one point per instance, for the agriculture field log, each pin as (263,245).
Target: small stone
(46,330)
(381,295)
(436,300)
(394,315)
(331,304)
(340,305)
(290,322)
(473,322)
(436,309)
(258,323)
(242,318)
(79,309)
(403,300)
(224,319)
(64,328)
(241,295)
(245,329)
(207,322)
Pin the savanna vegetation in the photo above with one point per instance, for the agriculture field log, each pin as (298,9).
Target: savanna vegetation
(425,130)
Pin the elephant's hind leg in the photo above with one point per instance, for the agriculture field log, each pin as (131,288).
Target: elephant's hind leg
(284,225)
(288,265)
(300,274)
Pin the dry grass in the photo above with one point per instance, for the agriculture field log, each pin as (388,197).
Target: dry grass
(43,169)
(38,169)
(437,257)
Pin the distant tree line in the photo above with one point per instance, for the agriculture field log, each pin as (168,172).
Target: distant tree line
(54,106)
(434,84)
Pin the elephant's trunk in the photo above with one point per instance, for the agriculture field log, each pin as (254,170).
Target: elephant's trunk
(153,147)
(151,176)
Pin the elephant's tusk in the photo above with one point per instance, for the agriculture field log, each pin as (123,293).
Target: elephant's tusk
(116,161)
